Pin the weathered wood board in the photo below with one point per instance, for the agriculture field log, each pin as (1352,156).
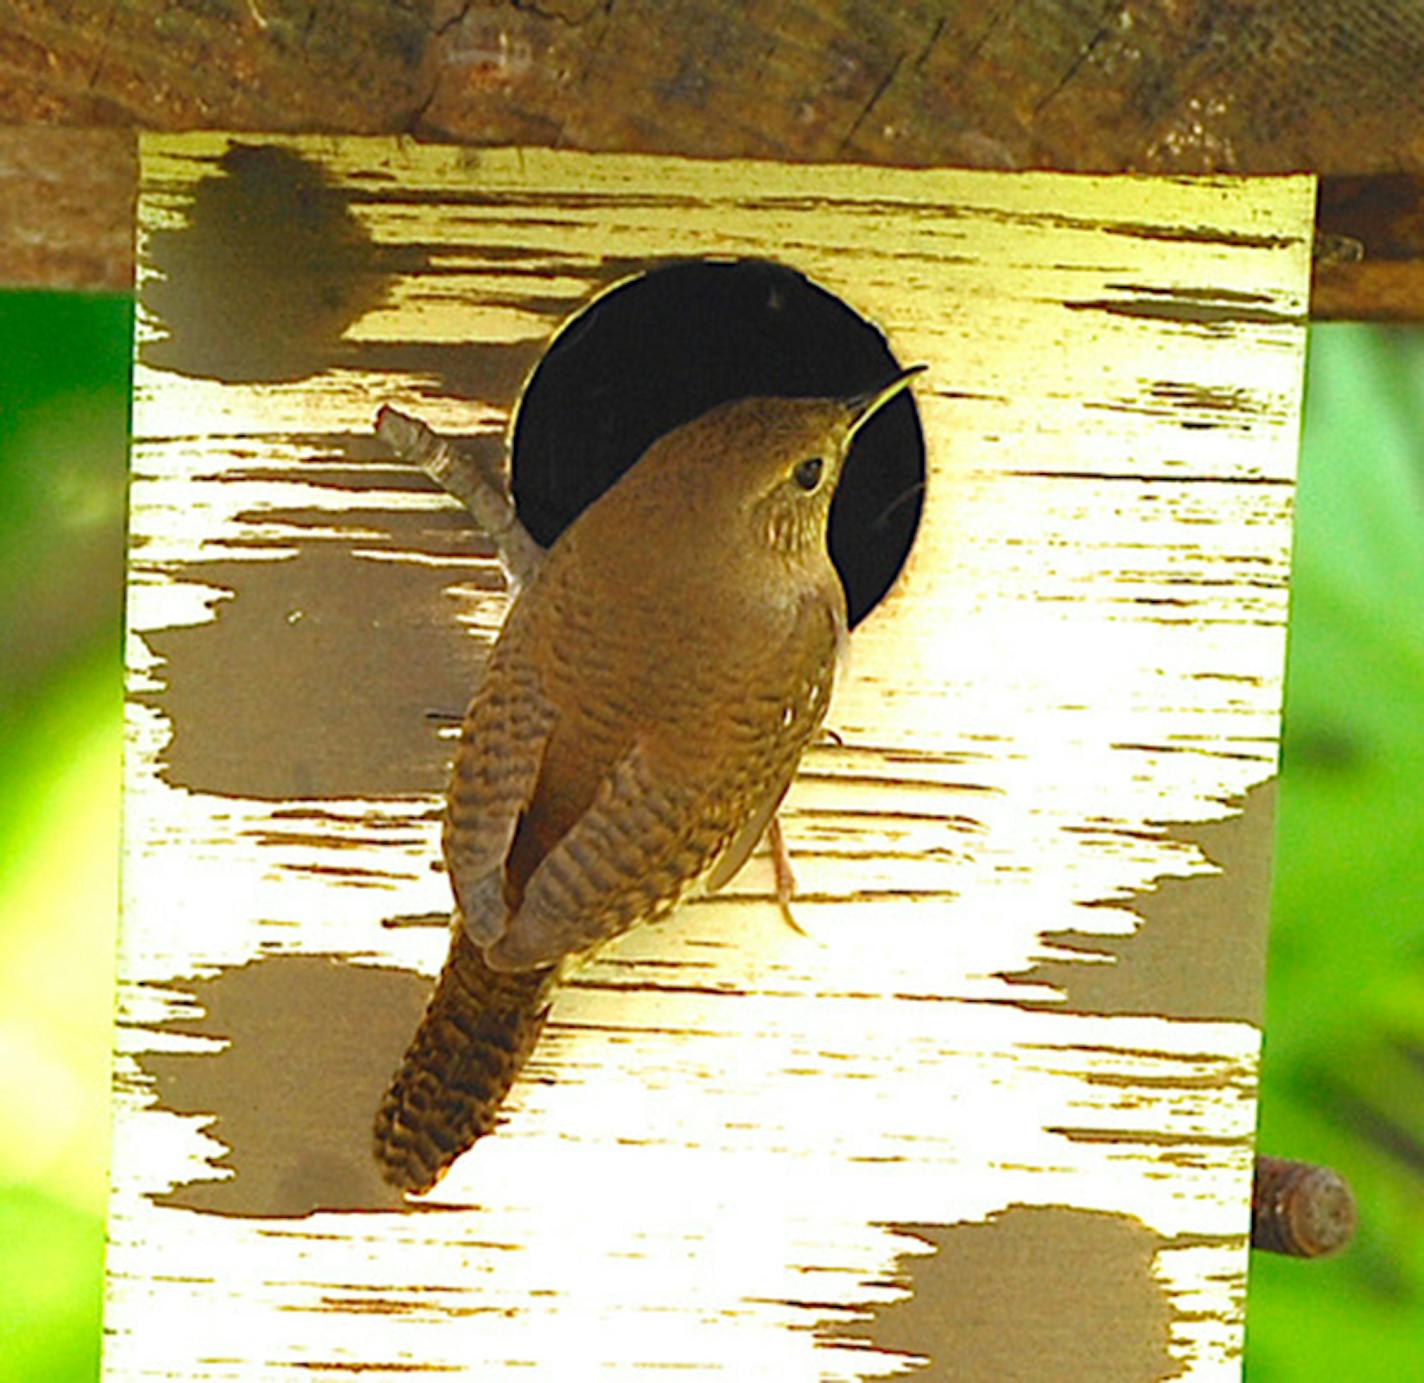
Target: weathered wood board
(992,1118)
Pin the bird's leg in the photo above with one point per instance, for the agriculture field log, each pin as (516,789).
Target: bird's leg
(781,855)
(785,878)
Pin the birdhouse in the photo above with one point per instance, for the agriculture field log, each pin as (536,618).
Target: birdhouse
(989,1112)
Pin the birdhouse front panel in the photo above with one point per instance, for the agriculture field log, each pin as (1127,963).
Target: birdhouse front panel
(986,1110)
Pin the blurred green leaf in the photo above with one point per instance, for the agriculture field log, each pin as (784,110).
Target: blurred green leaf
(63,470)
(51,1261)
(1343,1079)
(63,479)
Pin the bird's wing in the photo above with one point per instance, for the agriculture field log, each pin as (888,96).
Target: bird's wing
(651,833)
(737,853)
(496,771)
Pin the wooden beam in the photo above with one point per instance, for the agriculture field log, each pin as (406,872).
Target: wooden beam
(67,208)
(1371,232)
(1196,86)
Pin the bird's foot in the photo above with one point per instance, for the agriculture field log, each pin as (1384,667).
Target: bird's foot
(785,877)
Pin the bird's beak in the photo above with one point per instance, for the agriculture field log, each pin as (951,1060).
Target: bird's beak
(863,407)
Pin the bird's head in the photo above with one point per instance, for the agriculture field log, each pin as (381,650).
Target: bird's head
(774,462)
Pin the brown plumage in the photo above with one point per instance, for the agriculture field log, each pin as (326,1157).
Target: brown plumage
(640,719)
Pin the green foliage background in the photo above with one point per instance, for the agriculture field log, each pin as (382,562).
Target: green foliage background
(1344,1072)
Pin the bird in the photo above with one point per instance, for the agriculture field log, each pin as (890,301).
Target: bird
(640,718)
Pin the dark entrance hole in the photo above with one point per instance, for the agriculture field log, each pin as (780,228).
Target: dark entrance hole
(662,349)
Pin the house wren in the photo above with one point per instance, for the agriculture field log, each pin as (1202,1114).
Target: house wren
(640,719)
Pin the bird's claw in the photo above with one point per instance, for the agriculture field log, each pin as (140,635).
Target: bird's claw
(785,877)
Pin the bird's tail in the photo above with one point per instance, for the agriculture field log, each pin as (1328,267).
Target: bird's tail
(478,1031)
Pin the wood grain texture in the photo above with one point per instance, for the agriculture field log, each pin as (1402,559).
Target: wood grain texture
(1194,86)
(739,1152)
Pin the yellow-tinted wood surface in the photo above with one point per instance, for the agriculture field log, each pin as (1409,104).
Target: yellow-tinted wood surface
(992,1116)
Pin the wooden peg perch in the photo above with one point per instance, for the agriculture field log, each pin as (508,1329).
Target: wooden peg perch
(481,492)
(1300,1209)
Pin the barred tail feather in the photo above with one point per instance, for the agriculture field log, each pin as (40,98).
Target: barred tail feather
(478,1031)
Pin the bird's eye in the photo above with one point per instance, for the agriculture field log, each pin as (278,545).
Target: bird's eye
(808,472)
